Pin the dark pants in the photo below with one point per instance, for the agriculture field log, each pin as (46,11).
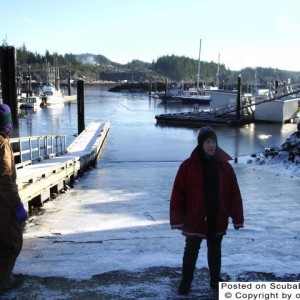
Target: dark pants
(192,246)
(11,241)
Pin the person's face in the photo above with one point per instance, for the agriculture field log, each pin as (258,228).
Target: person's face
(209,146)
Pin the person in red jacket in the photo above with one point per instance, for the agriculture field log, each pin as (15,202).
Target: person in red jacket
(205,194)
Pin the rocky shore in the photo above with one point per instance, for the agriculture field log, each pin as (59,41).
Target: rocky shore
(288,152)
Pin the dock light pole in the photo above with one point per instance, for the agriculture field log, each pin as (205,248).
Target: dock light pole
(80,105)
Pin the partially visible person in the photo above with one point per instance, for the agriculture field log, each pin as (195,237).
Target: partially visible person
(12,212)
(205,194)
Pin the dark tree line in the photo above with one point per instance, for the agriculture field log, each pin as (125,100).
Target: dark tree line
(175,68)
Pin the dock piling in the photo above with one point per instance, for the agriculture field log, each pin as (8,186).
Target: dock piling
(150,87)
(80,105)
(238,99)
(8,57)
(166,86)
(69,84)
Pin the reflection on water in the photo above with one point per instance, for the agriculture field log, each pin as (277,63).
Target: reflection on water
(134,134)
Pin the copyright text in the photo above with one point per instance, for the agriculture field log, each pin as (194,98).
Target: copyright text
(259,290)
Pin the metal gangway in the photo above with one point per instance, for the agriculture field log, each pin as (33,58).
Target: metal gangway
(247,102)
(45,165)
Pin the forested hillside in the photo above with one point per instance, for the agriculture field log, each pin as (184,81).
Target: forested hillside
(176,68)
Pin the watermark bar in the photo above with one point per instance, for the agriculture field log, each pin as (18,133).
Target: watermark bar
(259,290)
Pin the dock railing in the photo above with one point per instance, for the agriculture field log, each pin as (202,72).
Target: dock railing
(28,150)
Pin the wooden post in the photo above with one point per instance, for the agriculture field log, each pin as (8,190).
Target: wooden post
(150,87)
(28,83)
(8,58)
(238,100)
(166,87)
(80,105)
(19,83)
(69,84)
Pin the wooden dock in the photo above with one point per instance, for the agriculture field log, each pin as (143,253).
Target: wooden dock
(51,173)
(196,119)
(69,98)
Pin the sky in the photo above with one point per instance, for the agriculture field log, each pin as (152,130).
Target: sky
(244,33)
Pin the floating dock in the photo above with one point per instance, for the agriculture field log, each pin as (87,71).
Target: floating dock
(196,119)
(69,98)
(52,172)
(279,105)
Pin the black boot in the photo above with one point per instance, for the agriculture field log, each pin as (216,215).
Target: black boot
(214,261)
(187,278)
(188,266)
(184,287)
(214,283)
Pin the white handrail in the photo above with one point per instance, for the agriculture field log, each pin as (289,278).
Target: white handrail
(34,148)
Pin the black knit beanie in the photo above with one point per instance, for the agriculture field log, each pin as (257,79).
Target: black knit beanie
(205,133)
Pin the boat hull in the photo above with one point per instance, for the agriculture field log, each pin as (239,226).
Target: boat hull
(202,100)
(30,103)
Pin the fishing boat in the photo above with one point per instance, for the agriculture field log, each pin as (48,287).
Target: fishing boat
(52,95)
(192,97)
(30,102)
(173,95)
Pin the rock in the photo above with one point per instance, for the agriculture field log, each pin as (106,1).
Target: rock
(289,151)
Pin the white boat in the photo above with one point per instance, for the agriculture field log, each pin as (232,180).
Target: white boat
(30,102)
(51,95)
(195,98)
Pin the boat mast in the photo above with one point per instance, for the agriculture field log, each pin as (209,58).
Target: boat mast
(218,70)
(198,74)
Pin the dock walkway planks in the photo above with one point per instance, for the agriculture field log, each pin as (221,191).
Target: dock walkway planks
(38,180)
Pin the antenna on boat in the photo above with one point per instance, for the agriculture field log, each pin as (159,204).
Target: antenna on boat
(198,74)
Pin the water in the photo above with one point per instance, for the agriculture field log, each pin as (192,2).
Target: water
(134,134)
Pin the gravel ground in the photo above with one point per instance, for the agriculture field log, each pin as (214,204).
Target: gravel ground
(151,283)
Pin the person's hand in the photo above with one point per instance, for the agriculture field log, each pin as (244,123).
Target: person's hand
(20,212)
(237,227)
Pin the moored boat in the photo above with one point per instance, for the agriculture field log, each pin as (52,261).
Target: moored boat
(195,98)
(198,95)
(51,95)
(30,102)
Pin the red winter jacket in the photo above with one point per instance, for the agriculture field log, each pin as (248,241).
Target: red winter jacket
(187,206)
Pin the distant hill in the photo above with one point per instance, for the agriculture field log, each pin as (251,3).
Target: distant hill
(94,67)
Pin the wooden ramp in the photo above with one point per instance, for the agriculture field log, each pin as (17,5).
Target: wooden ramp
(37,181)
